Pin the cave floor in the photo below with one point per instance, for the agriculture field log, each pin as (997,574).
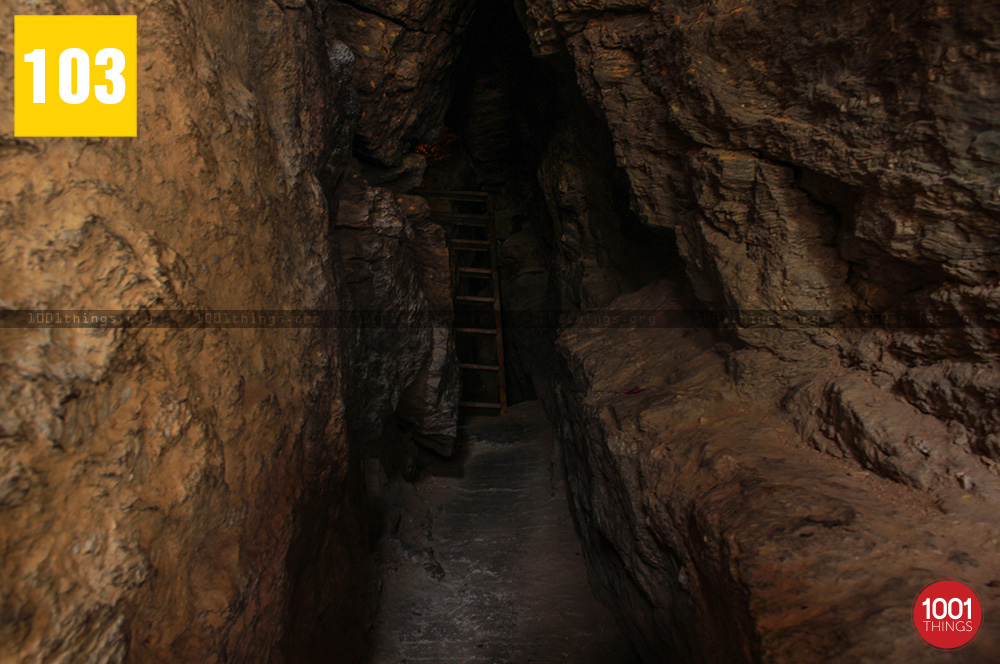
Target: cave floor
(498,575)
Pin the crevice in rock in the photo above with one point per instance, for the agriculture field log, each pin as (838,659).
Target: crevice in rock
(563,204)
(758,247)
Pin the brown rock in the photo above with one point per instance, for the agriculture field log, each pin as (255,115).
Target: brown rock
(404,51)
(402,361)
(809,162)
(156,484)
(717,537)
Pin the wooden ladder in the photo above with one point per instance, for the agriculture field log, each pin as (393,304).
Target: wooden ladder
(467,217)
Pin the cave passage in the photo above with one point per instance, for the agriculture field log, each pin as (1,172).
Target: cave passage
(259,452)
(486,566)
(564,232)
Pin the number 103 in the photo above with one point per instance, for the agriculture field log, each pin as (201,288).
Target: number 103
(106,94)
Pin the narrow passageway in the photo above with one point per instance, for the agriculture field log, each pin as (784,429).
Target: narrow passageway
(497,574)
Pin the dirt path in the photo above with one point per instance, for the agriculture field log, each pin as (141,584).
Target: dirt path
(500,577)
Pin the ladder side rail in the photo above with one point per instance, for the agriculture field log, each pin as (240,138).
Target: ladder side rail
(497,311)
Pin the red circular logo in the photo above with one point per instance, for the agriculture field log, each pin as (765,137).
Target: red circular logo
(947,614)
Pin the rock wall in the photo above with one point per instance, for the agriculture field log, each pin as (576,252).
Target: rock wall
(767,494)
(841,164)
(177,494)
(403,365)
(811,162)
(400,359)
(717,535)
(396,261)
(405,51)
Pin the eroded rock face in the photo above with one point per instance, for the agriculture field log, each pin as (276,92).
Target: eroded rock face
(787,145)
(719,537)
(158,487)
(395,260)
(400,360)
(405,51)
(176,494)
(808,160)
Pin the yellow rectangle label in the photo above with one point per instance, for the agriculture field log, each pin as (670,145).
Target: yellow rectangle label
(75,76)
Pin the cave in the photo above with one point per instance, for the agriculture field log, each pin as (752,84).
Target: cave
(508,331)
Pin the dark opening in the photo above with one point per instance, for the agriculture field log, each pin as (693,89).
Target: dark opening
(514,122)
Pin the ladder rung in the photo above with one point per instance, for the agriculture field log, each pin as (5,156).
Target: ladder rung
(474,330)
(453,195)
(461,219)
(479,404)
(474,298)
(472,223)
(475,270)
(479,367)
(455,247)
(471,243)
(460,216)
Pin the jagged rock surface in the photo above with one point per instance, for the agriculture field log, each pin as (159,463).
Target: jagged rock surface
(400,359)
(171,495)
(842,163)
(405,50)
(720,536)
(808,161)
(159,487)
